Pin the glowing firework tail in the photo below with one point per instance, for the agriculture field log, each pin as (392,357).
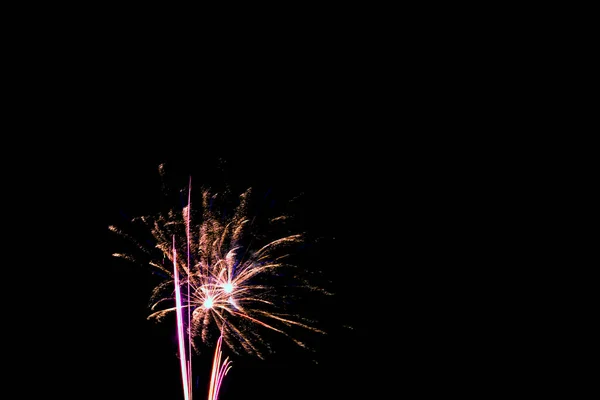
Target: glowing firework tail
(219,370)
(189,207)
(185,366)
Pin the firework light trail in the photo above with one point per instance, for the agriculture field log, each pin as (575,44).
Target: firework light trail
(185,369)
(219,370)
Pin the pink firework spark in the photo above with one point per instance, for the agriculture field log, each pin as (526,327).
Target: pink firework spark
(185,364)
(219,370)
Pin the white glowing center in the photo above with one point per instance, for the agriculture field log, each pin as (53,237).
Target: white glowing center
(208,303)
(228,287)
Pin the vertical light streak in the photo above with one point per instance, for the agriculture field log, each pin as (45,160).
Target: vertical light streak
(182,349)
(189,320)
(218,372)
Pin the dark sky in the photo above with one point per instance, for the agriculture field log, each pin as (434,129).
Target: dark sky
(375,164)
(376,220)
(334,209)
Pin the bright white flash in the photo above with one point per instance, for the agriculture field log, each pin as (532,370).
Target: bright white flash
(228,287)
(208,303)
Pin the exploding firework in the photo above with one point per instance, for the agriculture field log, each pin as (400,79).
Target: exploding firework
(235,280)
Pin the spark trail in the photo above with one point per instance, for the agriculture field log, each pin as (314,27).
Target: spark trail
(219,370)
(185,363)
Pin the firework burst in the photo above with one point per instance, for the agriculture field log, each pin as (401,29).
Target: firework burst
(235,282)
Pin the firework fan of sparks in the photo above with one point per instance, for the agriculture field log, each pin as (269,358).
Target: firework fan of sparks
(234,282)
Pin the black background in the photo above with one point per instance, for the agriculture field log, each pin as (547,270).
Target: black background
(372,144)
(387,201)
(381,207)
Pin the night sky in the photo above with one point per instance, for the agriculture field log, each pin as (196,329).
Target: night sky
(382,200)
(334,210)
